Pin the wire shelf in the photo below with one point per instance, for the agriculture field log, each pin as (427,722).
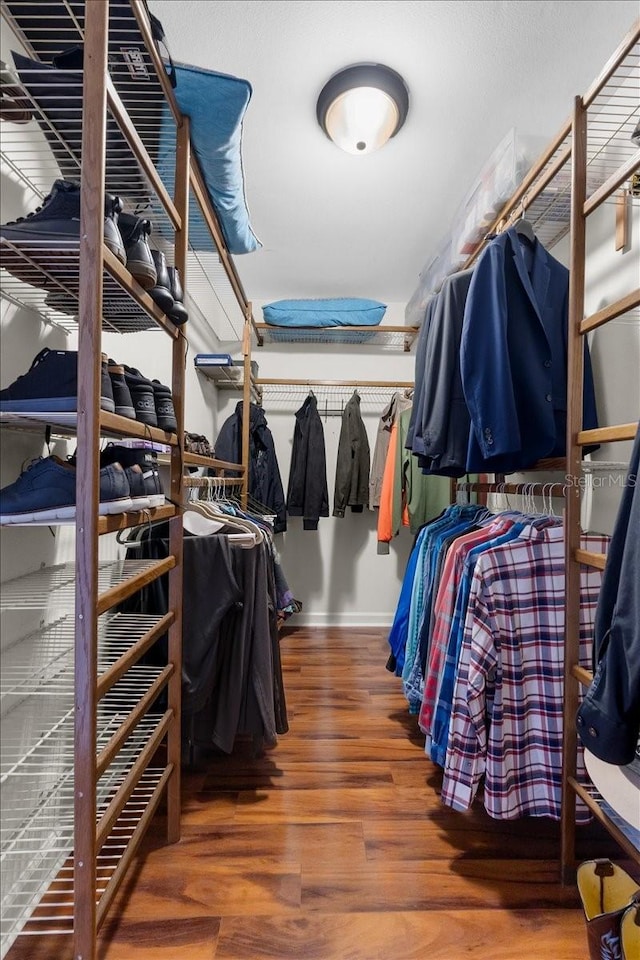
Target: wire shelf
(54,89)
(38,275)
(331,398)
(390,337)
(41,900)
(65,424)
(48,147)
(549,210)
(629,832)
(55,586)
(612,117)
(210,293)
(42,662)
(34,738)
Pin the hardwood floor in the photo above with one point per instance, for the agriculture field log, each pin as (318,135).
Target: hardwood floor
(335,846)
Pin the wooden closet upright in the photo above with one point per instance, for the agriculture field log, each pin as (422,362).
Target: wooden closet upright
(119,739)
(587,164)
(600,139)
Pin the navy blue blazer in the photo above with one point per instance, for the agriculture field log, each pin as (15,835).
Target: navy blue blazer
(513,357)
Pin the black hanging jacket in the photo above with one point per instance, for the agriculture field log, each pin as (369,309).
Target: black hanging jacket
(307,494)
(609,717)
(352,468)
(265,484)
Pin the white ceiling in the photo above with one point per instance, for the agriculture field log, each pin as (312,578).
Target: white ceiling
(333,224)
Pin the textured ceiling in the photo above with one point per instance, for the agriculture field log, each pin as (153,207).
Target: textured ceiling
(333,224)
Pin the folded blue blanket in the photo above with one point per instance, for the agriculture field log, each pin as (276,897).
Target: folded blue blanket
(340,312)
(215,104)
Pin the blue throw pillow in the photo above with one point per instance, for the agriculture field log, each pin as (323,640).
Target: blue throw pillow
(342,312)
(216,104)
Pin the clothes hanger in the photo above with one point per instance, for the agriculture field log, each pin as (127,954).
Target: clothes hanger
(211,509)
(524,227)
(211,521)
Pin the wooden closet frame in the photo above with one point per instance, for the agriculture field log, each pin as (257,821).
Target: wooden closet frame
(95,260)
(579,326)
(571,144)
(87,918)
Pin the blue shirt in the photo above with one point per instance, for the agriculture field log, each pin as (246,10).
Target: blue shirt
(457,520)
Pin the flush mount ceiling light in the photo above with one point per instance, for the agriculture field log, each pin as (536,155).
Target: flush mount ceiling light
(362,106)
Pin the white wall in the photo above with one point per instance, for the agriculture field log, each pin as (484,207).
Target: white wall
(335,571)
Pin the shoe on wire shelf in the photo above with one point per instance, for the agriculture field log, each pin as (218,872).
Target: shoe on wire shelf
(46,492)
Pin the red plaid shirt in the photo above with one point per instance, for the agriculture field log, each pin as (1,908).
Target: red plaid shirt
(507,709)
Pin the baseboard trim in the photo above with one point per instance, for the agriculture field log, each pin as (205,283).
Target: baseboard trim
(341,620)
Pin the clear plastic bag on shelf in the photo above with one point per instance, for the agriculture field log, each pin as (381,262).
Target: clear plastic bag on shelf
(503,172)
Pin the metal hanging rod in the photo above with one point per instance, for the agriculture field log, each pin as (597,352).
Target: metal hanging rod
(596,466)
(521,489)
(212,482)
(356,384)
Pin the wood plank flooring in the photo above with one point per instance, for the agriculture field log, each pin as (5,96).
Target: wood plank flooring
(335,846)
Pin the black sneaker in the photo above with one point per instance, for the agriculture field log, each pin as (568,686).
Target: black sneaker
(141,467)
(121,393)
(161,292)
(164,407)
(177,313)
(106,389)
(135,234)
(58,219)
(51,385)
(142,395)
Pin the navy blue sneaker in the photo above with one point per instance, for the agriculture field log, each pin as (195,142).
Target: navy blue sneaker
(141,467)
(46,492)
(57,222)
(51,385)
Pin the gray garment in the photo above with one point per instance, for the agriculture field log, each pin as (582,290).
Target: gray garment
(443,422)
(258,711)
(421,348)
(398,403)
(609,717)
(352,468)
(247,681)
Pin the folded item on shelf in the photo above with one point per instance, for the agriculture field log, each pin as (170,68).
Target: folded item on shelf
(197,443)
(212,360)
(216,104)
(337,312)
(503,171)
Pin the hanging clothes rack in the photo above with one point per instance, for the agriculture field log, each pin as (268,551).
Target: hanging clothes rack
(355,384)
(204,482)
(283,389)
